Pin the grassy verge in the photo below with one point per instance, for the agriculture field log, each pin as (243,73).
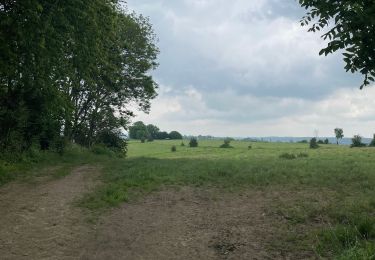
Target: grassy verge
(41,163)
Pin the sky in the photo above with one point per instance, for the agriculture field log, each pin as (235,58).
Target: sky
(247,68)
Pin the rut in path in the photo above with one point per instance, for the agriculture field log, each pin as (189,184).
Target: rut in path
(38,221)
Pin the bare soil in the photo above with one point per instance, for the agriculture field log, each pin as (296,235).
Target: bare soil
(40,221)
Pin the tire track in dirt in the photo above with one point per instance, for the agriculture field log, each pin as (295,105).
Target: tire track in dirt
(38,221)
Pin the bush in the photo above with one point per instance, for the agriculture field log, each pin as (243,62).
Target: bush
(303,142)
(182,144)
(101,149)
(320,142)
(313,143)
(143,139)
(173,148)
(226,143)
(288,156)
(193,142)
(249,147)
(302,155)
(326,141)
(113,141)
(357,141)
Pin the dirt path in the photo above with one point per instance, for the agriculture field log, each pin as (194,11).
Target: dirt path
(190,224)
(38,221)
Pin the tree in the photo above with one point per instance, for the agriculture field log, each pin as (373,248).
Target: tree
(162,135)
(314,143)
(372,143)
(138,131)
(193,142)
(357,141)
(71,68)
(326,141)
(353,31)
(152,131)
(226,143)
(174,135)
(339,133)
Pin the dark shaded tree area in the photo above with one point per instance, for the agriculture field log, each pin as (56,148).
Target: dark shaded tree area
(141,131)
(350,27)
(69,70)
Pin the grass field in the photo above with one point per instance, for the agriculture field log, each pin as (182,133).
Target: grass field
(325,196)
(334,186)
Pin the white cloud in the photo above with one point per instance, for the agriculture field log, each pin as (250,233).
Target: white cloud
(247,68)
(234,115)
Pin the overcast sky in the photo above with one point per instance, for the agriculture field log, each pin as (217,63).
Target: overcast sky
(247,68)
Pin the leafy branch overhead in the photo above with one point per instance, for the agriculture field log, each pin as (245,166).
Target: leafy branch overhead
(349,26)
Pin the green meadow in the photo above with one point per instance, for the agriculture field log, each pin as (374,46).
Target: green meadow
(331,190)
(327,195)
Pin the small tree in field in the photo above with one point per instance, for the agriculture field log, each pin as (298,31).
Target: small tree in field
(326,141)
(339,133)
(313,143)
(193,142)
(226,143)
(357,141)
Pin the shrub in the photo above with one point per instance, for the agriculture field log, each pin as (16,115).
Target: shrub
(193,142)
(173,148)
(113,141)
(288,156)
(60,144)
(101,149)
(150,139)
(326,141)
(249,147)
(357,141)
(313,143)
(303,142)
(143,139)
(302,155)
(320,142)
(226,143)
(182,144)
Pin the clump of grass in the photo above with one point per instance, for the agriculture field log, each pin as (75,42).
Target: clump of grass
(182,144)
(288,156)
(173,148)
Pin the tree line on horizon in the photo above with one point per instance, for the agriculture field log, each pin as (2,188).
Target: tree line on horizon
(69,70)
(150,132)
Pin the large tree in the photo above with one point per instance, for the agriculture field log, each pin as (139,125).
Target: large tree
(71,67)
(350,27)
(339,133)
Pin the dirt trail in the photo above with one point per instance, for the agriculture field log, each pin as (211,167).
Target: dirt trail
(38,221)
(189,224)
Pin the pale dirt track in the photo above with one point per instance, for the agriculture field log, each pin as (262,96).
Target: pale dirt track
(39,221)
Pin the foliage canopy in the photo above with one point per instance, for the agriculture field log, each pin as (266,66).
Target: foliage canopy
(353,31)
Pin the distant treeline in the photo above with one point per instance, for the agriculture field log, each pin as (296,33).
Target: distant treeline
(68,71)
(151,132)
